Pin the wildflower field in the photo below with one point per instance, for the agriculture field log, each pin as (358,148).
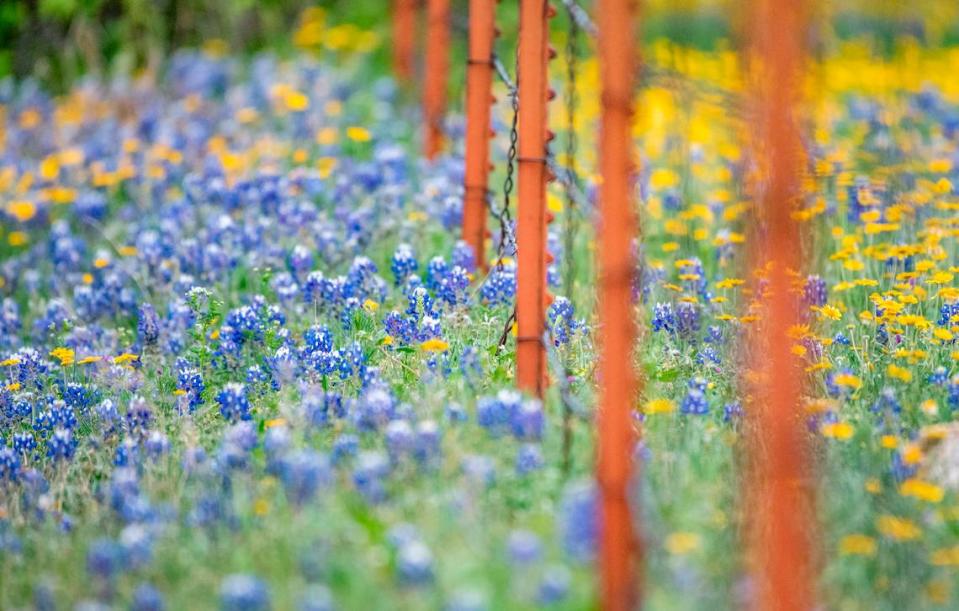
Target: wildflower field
(246,363)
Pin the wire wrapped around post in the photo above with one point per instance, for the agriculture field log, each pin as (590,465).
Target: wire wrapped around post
(615,234)
(781,530)
(404,39)
(436,75)
(531,218)
(479,91)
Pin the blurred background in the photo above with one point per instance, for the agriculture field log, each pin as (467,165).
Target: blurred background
(57,41)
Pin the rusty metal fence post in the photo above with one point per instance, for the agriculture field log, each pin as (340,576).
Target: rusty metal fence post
(404,39)
(782,527)
(615,233)
(531,219)
(436,75)
(479,91)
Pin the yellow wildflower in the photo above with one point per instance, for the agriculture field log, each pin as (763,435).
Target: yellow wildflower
(837,430)
(681,543)
(434,345)
(64,355)
(922,490)
(659,406)
(898,529)
(358,134)
(857,545)
(22,210)
(899,373)
(946,556)
(828,311)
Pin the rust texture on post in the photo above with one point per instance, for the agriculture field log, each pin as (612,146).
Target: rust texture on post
(531,217)
(479,91)
(404,39)
(781,530)
(436,74)
(617,378)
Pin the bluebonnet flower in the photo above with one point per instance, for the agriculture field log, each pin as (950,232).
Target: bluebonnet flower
(368,474)
(527,419)
(479,469)
(352,362)
(190,381)
(500,285)
(61,445)
(524,547)
(562,321)
(470,365)
(495,414)
(687,320)
(374,408)
(427,442)
(157,444)
(714,334)
(815,291)
(276,443)
(320,407)
(300,259)
(882,334)
(664,317)
(24,443)
(346,445)
(403,264)
(579,520)
(939,376)
(62,415)
(451,288)
(399,327)
(463,256)
(303,473)
(947,312)
(695,402)
(147,598)
(139,418)
(316,598)
(466,600)
(148,325)
(900,469)
(732,412)
(953,392)
(9,465)
(887,402)
(554,587)
(234,404)
(529,458)
(78,396)
(708,355)
(256,374)
(241,592)
(43,597)
(455,413)
(399,439)
(414,563)
(126,454)
(104,559)
(108,415)
(136,545)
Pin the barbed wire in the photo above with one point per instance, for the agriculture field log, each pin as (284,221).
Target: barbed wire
(504,215)
(501,72)
(580,17)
